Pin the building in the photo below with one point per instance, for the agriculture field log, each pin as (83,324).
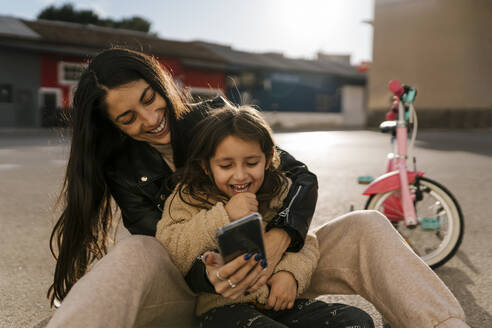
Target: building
(41,61)
(310,93)
(441,47)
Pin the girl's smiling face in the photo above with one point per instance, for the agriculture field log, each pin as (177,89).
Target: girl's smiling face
(140,112)
(238,166)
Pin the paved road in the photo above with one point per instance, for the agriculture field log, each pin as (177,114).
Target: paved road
(32,168)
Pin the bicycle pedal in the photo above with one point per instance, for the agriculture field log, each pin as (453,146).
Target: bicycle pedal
(365,179)
(429,223)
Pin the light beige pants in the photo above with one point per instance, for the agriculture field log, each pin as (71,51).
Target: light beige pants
(136,284)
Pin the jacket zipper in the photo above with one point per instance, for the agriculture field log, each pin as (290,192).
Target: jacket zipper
(285,213)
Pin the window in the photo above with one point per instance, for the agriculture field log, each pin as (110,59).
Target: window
(50,103)
(50,97)
(69,73)
(5,93)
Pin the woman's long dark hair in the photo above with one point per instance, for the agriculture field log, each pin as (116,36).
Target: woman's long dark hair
(81,231)
(245,123)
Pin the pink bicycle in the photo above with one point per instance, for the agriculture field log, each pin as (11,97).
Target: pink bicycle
(423,211)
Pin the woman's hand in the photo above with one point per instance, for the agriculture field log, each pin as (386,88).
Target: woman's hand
(283,291)
(276,242)
(240,205)
(232,279)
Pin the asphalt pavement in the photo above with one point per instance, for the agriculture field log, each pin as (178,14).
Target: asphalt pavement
(32,165)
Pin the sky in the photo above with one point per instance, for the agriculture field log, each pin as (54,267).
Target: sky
(297,28)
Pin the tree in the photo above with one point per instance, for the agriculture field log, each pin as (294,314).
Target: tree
(67,13)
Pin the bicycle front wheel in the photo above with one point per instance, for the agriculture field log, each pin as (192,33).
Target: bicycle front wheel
(440,222)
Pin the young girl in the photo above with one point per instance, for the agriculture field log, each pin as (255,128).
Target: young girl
(233,171)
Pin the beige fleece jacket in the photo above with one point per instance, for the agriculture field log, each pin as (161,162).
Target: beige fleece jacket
(188,231)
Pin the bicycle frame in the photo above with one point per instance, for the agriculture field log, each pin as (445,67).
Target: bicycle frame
(397,176)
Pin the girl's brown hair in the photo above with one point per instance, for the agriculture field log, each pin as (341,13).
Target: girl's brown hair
(245,123)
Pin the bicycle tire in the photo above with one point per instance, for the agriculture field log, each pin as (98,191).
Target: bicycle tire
(448,214)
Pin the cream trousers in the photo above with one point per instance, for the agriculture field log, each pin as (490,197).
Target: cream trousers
(136,284)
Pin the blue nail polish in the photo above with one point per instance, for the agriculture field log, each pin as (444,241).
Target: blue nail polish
(258,257)
(264,263)
(248,256)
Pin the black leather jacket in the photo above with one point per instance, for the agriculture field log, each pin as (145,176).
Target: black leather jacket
(137,173)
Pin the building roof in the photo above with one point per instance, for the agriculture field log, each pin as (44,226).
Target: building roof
(276,61)
(15,28)
(78,39)
(73,38)
(73,34)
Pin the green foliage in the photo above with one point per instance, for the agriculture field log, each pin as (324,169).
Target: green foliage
(67,13)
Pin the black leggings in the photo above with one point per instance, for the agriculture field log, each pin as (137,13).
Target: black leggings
(305,313)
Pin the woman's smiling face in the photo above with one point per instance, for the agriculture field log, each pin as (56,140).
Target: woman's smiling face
(140,112)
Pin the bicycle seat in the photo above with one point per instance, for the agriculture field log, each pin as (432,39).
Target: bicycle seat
(388,126)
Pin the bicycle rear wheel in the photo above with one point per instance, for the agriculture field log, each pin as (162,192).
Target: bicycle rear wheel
(440,221)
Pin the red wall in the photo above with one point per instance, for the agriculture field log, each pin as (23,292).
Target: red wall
(49,73)
(193,77)
(190,77)
(205,79)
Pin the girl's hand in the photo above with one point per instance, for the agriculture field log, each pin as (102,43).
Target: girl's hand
(276,242)
(240,205)
(240,273)
(283,291)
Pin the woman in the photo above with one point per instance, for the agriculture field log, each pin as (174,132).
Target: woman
(131,128)
(126,110)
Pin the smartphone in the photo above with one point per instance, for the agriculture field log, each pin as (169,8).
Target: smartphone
(241,236)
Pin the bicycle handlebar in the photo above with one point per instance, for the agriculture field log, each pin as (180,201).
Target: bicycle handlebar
(396,87)
(404,92)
